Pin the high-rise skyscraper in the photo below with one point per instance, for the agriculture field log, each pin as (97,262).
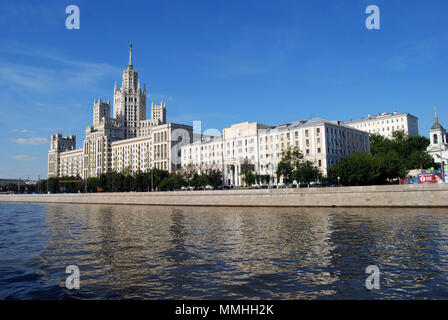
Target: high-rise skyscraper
(130,100)
(124,141)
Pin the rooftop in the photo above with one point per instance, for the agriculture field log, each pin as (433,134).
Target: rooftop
(382,115)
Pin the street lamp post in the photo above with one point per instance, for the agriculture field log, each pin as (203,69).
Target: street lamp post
(443,171)
(442,167)
(442,164)
(156,155)
(148,162)
(222,159)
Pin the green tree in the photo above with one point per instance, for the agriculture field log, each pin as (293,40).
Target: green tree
(247,171)
(92,184)
(171,183)
(390,159)
(291,159)
(42,186)
(140,182)
(53,185)
(404,151)
(305,171)
(358,169)
(154,177)
(214,178)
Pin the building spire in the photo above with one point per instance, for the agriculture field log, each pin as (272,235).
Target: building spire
(436,118)
(130,56)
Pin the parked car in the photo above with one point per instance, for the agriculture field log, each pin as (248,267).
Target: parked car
(331,185)
(316,184)
(225,187)
(303,185)
(264,186)
(273,186)
(281,185)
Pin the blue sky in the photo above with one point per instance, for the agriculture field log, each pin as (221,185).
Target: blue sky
(220,62)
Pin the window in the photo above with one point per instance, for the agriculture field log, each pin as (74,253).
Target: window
(435,138)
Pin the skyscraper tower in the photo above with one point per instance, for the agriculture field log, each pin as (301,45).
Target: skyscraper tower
(130,100)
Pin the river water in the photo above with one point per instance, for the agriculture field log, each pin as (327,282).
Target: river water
(144,252)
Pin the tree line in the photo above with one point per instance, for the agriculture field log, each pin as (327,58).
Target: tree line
(389,159)
(126,181)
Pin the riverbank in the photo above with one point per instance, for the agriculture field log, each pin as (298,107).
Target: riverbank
(429,195)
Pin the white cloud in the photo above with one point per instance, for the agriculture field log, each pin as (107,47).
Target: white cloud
(47,76)
(33,140)
(24,157)
(21,130)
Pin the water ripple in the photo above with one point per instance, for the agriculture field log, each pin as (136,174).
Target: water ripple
(139,252)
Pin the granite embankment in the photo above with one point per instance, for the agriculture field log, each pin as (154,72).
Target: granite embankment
(435,195)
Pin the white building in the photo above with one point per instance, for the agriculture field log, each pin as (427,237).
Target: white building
(161,149)
(386,123)
(321,141)
(126,140)
(438,147)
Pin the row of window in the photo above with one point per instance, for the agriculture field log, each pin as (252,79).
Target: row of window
(368,124)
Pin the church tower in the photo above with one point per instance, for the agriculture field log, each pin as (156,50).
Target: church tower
(438,147)
(437,134)
(130,100)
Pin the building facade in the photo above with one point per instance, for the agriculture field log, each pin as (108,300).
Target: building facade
(386,123)
(321,141)
(125,140)
(160,149)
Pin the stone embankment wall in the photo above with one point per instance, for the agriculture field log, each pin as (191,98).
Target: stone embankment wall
(435,195)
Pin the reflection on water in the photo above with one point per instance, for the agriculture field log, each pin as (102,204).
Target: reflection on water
(221,253)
